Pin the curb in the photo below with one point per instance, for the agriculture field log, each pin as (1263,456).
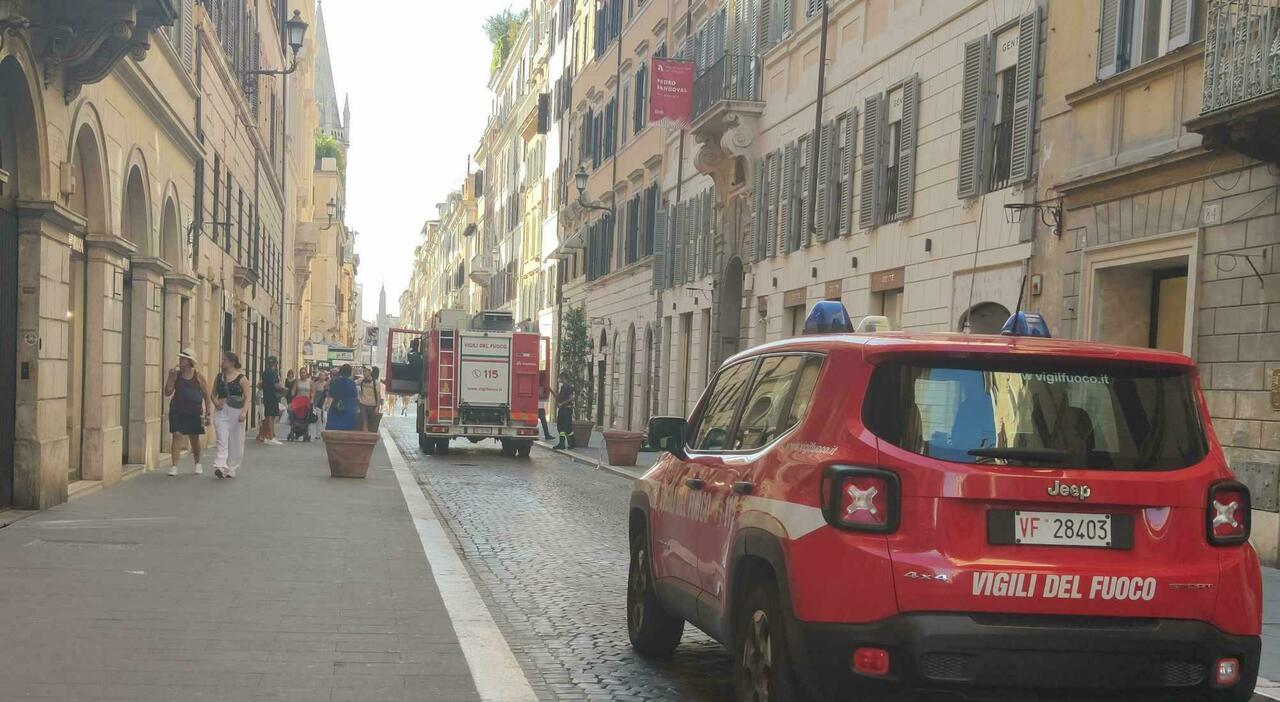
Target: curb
(1267,689)
(590,462)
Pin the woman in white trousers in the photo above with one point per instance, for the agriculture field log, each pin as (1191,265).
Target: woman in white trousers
(231,413)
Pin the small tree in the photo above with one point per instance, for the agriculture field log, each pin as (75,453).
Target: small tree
(574,358)
(502,30)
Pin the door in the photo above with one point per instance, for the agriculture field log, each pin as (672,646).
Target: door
(1168,309)
(8,343)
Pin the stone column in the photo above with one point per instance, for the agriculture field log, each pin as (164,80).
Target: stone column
(47,234)
(108,259)
(146,374)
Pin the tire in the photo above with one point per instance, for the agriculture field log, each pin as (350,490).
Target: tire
(762,669)
(654,631)
(524,448)
(442,447)
(507,449)
(426,444)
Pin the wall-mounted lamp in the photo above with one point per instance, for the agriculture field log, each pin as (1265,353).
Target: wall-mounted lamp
(1050,213)
(580,180)
(331,209)
(295,31)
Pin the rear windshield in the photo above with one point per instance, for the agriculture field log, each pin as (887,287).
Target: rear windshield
(1114,416)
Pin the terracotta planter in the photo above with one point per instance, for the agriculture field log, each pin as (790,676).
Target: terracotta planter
(582,433)
(349,452)
(623,446)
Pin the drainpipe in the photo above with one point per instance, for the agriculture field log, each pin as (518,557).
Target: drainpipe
(817,122)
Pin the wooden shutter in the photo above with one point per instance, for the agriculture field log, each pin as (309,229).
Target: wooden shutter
(188,33)
(786,17)
(1110,22)
(800,207)
(846,171)
(660,250)
(907,150)
(972,118)
(709,239)
(772,203)
(1182,22)
(869,198)
(762,22)
(785,218)
(759,213)
(1022,155)
(690,240)
(825,146)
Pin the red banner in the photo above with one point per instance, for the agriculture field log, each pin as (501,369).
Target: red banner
(671,92)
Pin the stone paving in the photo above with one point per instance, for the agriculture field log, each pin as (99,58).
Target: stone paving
(282,584)
(546,539)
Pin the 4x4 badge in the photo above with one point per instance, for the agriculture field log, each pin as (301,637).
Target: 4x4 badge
(1061,489)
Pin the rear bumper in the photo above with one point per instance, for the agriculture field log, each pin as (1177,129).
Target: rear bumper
(1005,656)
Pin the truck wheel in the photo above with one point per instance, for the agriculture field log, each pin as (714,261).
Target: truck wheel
(762,661)
(442,447)
(507,448)
(652,629)
(523,448)
(426,444)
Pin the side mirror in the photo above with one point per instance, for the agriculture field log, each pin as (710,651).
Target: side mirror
(667,433)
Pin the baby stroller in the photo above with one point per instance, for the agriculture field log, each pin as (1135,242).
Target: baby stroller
(301,416)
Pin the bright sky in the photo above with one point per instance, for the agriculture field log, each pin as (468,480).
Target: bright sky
(417,72)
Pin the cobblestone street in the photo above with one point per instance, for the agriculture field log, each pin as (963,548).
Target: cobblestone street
(546,540)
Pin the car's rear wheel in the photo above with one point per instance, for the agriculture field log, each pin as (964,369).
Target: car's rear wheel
(762,662)
(653,630)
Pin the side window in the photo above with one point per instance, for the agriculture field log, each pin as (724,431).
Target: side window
(778,399)
(716,419)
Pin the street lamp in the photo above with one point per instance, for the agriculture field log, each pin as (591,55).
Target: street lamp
(580,180)
(295,31)
(331,208)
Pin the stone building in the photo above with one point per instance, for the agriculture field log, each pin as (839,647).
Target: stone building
(1165,167)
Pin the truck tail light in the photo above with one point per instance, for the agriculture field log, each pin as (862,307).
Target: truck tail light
(438,430)
(861,499)
(527,432)
(1226,672)
(1228,514)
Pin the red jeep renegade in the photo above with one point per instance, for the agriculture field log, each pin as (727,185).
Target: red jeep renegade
(996,516)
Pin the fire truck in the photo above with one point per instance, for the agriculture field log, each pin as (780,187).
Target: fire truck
(473,377)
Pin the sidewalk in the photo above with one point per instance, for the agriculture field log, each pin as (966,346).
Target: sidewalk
(594,455)
(282,584)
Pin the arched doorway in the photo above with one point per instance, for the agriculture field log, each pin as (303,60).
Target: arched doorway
(630,392)
(137,229)
(984,318)
(730,321)
(89,201)
(20,161)
(602,368)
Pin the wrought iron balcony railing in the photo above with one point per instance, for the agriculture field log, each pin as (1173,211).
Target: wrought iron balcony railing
(732,78)
(1241,52)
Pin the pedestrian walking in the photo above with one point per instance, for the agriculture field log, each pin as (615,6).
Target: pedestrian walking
(231,391)
(370,401)
(344,411)
(270,386)
(290,382)
(564,414)
(320,397)
(189,408)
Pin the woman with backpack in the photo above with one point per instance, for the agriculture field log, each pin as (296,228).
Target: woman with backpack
(370,401)
(189,405)
(230,391)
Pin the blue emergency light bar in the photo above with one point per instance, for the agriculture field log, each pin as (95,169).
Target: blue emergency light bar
(828,317)
(1025,324)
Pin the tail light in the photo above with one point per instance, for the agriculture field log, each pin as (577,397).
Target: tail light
(861,499)
(1226,672)
(1228,514)
(872,662)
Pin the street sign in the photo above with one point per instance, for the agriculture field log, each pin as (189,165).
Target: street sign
(341,354)
(371,336)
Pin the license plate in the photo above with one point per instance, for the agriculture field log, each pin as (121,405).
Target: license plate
(1084,529)
(482,430)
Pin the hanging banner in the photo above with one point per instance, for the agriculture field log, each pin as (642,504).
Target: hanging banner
(671,93)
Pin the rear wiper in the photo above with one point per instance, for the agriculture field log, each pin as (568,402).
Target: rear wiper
(1039,455)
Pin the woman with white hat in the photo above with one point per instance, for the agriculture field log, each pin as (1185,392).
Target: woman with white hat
(189,407)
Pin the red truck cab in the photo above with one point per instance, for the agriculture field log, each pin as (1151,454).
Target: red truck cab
(989,516)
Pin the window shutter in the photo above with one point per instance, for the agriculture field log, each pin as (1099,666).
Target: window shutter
(759,214)
(660,250)
(785,217)
(188,30)
(907,152)
(677,239)
(846,171)
(763,20)
(972,117)
(690,240)
(739,39)
(772,203)
(1110,21)
(786,17)
(870,195)
(824,181)
(1182,22)
(799,206)
(1022,155)
(709,238)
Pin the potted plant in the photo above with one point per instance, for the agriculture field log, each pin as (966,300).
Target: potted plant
(622,446)
(349,452)
(574,357)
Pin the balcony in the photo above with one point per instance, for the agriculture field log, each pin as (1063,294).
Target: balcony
(1240,104)
(731,79)
(727,104)
(483,268)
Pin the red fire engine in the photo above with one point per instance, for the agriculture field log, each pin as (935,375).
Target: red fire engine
(473,377)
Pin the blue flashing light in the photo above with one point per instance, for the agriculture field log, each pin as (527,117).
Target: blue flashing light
(1026,324)
(828,317)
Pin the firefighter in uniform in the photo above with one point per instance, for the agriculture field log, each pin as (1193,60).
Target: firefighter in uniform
(564,414)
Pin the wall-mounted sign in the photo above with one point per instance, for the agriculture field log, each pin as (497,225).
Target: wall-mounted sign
(341,354)
(793,298)
(671,92)
(833,289)
(891,279)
